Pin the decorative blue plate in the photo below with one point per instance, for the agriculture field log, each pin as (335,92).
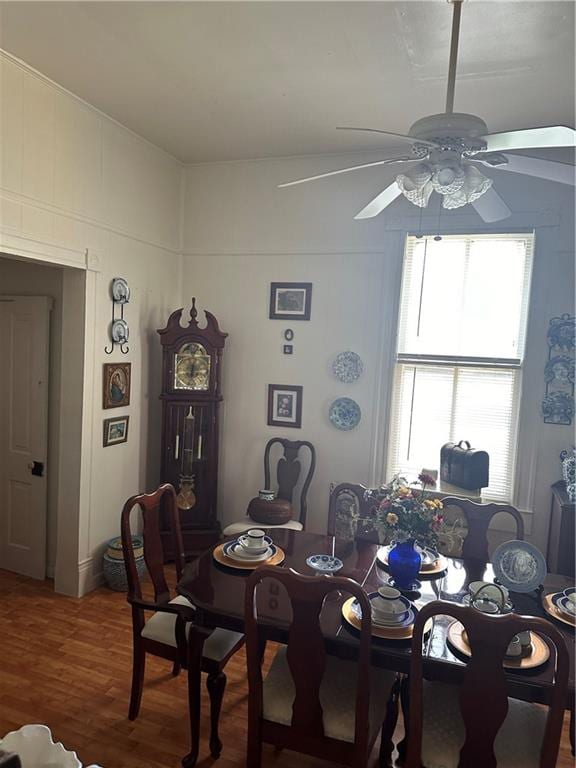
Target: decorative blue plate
(324,563)
(347,367)
(345,413)
(519,566)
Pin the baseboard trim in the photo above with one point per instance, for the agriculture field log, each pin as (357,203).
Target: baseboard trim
(89,578)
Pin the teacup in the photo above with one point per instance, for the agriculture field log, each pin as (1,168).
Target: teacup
(253,539)
(489,591)
(515,647)
(388,607)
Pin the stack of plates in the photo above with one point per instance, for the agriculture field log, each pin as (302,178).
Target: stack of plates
(235,551)
(405,619)
(565,606)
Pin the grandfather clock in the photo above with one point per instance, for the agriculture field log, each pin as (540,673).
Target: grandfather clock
(191,365)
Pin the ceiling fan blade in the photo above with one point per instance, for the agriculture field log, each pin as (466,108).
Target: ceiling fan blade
(403,136)
(347,170)
(380,202)
(531,138)
(491,207)
(563,173)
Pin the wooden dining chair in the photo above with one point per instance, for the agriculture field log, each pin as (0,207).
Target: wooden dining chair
(349,513)
(165,632)
(465,531)
(311,702)
(476,724)
(288,471)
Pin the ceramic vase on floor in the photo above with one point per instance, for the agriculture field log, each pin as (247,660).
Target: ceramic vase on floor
(113,565)
(404,563)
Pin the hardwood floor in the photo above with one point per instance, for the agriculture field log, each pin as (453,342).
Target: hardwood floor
(66,663)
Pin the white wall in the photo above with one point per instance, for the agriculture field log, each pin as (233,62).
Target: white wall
(241,233)
(78,190)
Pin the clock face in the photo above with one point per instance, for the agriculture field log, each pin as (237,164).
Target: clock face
(192,368)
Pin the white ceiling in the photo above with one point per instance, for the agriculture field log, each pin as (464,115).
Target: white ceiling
(232,80)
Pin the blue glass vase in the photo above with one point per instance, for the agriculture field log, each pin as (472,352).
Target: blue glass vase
(404,563)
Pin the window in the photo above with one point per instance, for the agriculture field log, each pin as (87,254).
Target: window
(462,324)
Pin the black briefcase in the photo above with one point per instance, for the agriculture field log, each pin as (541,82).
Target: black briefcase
(464,466)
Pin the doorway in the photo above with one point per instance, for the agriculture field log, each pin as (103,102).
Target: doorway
(26,278)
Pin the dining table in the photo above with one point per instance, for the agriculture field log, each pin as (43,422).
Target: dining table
(217,591)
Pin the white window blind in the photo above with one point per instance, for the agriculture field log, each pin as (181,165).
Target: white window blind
(462,326)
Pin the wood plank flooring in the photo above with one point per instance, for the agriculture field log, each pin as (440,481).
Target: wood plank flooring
(66,663)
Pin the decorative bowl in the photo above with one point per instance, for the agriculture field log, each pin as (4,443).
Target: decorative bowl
(36,749)
(270,512)
(324,563)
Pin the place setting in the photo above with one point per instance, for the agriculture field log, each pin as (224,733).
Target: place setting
(249,551)
(393,615)
(526,650)
(562,606)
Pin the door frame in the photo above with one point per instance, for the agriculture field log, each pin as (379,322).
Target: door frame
(73,566)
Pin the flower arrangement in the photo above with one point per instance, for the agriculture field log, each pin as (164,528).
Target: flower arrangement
(401,513)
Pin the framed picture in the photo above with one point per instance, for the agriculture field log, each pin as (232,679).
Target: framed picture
(116,385)
(115,430)
(290,301)
(284,405)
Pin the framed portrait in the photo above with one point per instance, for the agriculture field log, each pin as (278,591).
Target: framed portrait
(115,430)
(290,301)
(116,385)
(284,405)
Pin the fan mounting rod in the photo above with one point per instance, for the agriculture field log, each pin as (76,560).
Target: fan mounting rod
(453,54)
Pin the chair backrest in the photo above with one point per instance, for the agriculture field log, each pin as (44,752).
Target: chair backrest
(483,694)
(349,513)
(162,500)
(306,652)
(288,471)
(469,538)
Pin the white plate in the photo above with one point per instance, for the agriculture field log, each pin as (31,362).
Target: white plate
(237,552)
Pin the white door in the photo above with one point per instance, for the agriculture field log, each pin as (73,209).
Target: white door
(24,338)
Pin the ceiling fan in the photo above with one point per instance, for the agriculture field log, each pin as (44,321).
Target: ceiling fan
(449,149)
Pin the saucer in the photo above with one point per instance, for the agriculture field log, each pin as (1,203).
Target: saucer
(255,550)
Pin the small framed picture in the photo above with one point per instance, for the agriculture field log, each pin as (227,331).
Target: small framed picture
(284,405)
(116,385)
(290,301)
(115,430)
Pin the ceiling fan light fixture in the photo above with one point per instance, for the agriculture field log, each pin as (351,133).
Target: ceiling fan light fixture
(474,186)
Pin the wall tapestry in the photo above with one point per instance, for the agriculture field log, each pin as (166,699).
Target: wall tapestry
(558,402)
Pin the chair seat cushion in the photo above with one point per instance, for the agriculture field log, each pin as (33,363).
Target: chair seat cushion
(337,695)
(235,529)
(517,744)
(160,627)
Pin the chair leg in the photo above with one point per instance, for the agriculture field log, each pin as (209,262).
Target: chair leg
(216,684)
(254,749)
(176,668)
(389,726)
(138,664)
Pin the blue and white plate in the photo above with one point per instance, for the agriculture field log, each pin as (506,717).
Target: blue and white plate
(345,413)
(347,367)
(565,606)
(407,622)
(324,563)
(519,566)
(236,551)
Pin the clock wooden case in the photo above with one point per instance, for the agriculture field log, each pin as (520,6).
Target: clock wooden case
(191,366)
